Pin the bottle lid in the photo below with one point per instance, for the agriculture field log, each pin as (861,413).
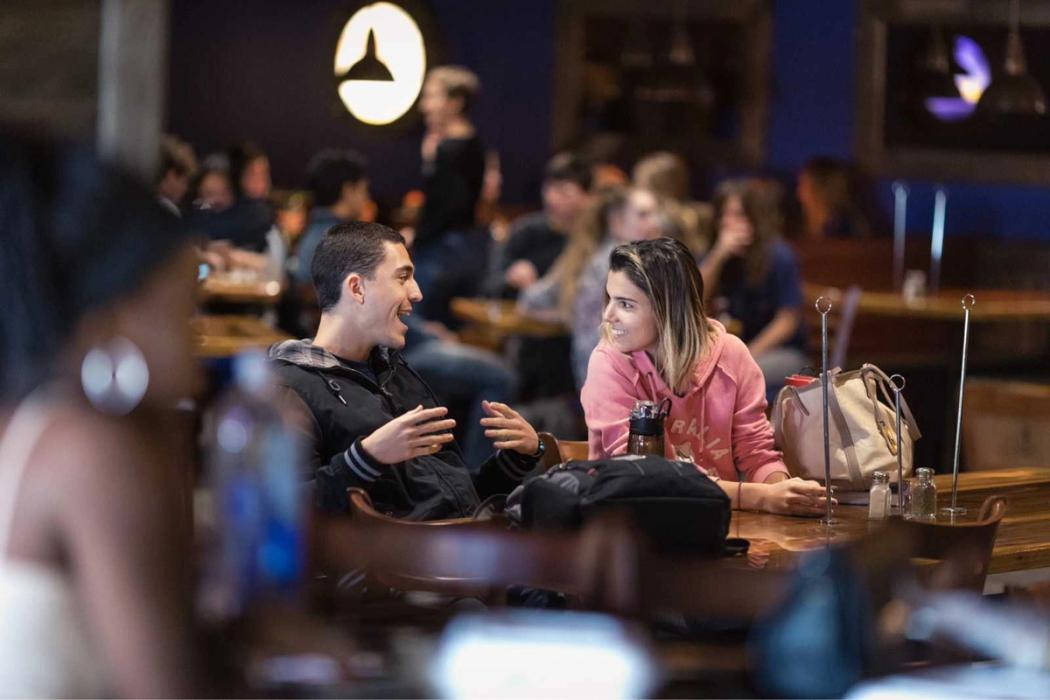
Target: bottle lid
(924,472)
(647,425)
(645,409)
(880,477)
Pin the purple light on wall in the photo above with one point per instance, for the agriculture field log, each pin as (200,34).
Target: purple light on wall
(971,83)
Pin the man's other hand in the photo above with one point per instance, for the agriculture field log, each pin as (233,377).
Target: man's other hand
(508,430)
(421,431)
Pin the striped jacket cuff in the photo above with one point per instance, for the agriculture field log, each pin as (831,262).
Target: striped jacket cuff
(360,463)
(514,464)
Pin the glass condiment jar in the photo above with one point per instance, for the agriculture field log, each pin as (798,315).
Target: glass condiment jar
(924,495)
(879,497)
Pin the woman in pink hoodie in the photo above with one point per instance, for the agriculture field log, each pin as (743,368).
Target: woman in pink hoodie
(657,343)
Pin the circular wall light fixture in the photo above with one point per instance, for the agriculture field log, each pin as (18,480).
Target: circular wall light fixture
(380,63)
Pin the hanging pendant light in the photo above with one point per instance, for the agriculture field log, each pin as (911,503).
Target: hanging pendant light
(681,52)
(937,79)
(370,67)
(1015,92)
(636,52)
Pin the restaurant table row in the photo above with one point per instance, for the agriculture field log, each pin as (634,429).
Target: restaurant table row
(218,336)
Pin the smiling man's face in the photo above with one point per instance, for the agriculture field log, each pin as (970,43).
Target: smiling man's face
(389,295)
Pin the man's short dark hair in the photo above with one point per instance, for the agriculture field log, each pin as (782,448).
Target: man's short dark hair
(346,249)
(568,167)
(329,170)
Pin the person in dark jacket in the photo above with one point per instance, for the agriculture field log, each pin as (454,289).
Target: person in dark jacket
(371,420)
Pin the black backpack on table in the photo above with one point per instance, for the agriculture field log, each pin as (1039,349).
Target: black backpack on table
(676,505)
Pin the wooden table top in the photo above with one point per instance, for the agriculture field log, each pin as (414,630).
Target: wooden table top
(503,317)
(223,287)
(1022,542)
(217,336)
(991,304)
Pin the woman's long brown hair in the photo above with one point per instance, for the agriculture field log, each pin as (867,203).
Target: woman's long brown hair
(667,274)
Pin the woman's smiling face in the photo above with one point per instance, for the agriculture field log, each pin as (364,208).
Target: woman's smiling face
(629,315)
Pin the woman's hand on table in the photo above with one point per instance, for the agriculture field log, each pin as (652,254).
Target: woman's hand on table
(794,496)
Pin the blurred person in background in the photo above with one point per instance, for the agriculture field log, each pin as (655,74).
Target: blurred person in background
(573,292)
(178,166)
(246,223)
(252,212)
(535,241)
(213,190)
(338,180)
(211,213)
(756,272)
(835,201)
(445,243)
(95,575)
(244,231)
(666,175)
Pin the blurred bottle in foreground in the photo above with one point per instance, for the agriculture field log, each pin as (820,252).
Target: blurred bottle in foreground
(254,461)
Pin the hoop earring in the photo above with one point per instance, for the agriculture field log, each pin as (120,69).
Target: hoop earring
(115,376)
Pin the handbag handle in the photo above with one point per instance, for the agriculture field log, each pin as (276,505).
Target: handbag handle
(777,417)
(880,383)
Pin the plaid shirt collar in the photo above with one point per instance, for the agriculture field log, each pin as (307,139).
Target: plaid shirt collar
(305,354)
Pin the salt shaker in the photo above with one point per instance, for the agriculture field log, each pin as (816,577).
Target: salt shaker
(924,496)
(879,497)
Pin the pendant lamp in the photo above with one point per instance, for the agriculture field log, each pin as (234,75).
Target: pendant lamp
(1014,92)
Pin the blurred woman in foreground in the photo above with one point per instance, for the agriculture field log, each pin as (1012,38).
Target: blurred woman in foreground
(98,284)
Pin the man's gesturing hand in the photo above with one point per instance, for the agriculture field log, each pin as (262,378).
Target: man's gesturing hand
(418,432)
(508,430)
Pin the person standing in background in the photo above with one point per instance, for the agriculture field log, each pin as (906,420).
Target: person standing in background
(453,165)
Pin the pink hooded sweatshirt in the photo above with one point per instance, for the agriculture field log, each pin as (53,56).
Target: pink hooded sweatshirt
(720,423)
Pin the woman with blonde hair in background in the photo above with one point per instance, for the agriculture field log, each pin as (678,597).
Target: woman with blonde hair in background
(573,291)
(666,175)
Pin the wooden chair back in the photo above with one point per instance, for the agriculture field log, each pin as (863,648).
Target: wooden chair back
(1006,424)
(572,449)
(557,451)
(965,548)
(551,452)
(362,510)
(469,560)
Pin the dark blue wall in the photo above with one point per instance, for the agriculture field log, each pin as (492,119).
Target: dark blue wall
(266,74)
(812,112)
(263,70)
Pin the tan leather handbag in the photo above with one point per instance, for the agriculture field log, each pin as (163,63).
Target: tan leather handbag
(862,428)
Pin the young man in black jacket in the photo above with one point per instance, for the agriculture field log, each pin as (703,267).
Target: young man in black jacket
(370,419)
